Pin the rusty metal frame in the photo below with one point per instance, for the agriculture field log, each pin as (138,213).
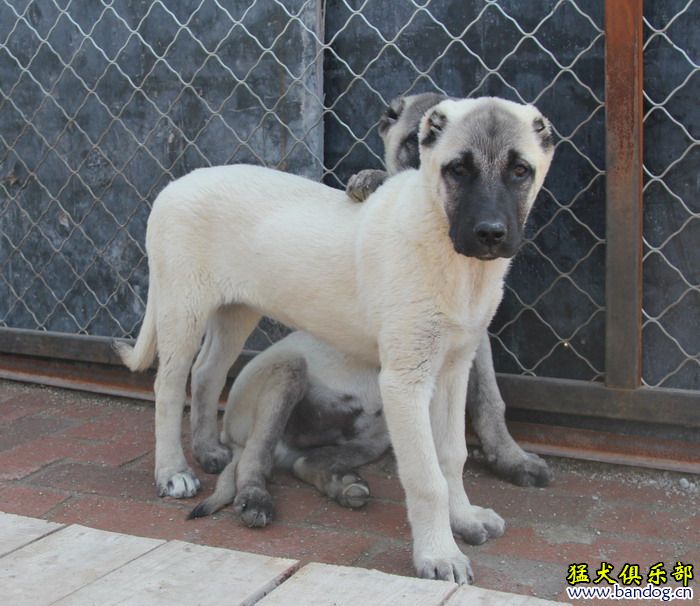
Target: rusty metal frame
(89,363)
(624,127)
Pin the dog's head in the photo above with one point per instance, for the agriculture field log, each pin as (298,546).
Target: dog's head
(398,129)
(485,160)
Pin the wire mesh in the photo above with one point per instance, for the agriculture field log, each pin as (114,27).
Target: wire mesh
(102,103)
(671,309)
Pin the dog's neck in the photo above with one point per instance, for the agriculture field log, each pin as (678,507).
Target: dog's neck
(422,232)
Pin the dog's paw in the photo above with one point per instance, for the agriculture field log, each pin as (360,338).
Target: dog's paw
(178,485)
(530,470)
(363,184)
(212,458)
(254,506)
(455,568)
(477,525)
(354,492)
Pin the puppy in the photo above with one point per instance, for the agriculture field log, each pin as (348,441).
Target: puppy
(398,129)
(407,282)
(337,422)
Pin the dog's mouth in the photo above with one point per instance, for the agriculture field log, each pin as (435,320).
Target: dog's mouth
(487,257)
(480,253)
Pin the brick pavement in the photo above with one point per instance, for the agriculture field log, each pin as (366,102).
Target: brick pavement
(74,457)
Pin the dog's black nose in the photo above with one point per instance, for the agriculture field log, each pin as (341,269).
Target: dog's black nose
(490,233)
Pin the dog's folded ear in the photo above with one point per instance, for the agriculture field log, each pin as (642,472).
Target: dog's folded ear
(543,128)
(391,115)
(432,127)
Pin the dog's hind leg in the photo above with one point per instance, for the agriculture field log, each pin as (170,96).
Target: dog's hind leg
(179,335)
(227,330)
(262,399)
(487,411)
(332,469)
(259,406)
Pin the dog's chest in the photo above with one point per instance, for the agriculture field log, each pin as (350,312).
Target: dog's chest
(468,299)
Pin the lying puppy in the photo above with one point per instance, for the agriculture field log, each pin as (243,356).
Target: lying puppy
(337,422)
(407,281)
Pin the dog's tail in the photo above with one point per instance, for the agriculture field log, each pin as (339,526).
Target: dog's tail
(224,493)
(143,352)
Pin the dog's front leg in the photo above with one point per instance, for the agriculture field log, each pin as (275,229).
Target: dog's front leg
(406,396)
(363,184)
(487,411)
(473,524)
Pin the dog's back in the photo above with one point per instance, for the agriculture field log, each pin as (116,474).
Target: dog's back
(213,229)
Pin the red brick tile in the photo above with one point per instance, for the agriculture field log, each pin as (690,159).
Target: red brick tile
(520,576)
(114,424)
(27,500)
(393,558)
(98,479)
(621,491)
(635,551)
(613,514)
(156,520)
(28,428)
(16,407)
(647,523)
(309,544)
(525,543)
(117,452)
(384,486)
(378,518)
(518,505)
(31,456)
(83,408)
(295,505)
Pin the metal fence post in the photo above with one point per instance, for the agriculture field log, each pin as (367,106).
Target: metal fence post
(623,267)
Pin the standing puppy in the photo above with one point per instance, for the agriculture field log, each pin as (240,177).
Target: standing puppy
(399,131)
(337,424)
(407,281)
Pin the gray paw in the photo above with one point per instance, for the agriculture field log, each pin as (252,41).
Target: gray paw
(178,485)
(354,492)
(456,569)
(530,470)
(364,184)
(212,457)
(254,506)
(478,524)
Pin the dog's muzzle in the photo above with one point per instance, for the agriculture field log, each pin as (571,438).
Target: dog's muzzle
(487,240)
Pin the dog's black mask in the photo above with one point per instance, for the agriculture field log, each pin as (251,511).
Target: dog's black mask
(485,204)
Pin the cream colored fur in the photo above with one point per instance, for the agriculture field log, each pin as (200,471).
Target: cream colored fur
(380,281)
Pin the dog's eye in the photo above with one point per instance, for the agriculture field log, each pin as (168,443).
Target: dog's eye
(458,169)
(391,113)
(520,171)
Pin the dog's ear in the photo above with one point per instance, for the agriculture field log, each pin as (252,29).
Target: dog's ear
(391,115)
(543,130)
(432,127)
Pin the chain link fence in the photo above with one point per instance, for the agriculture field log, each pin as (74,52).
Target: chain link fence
(671,329)
(102,103)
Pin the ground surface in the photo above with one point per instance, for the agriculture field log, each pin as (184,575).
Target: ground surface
(79,458)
